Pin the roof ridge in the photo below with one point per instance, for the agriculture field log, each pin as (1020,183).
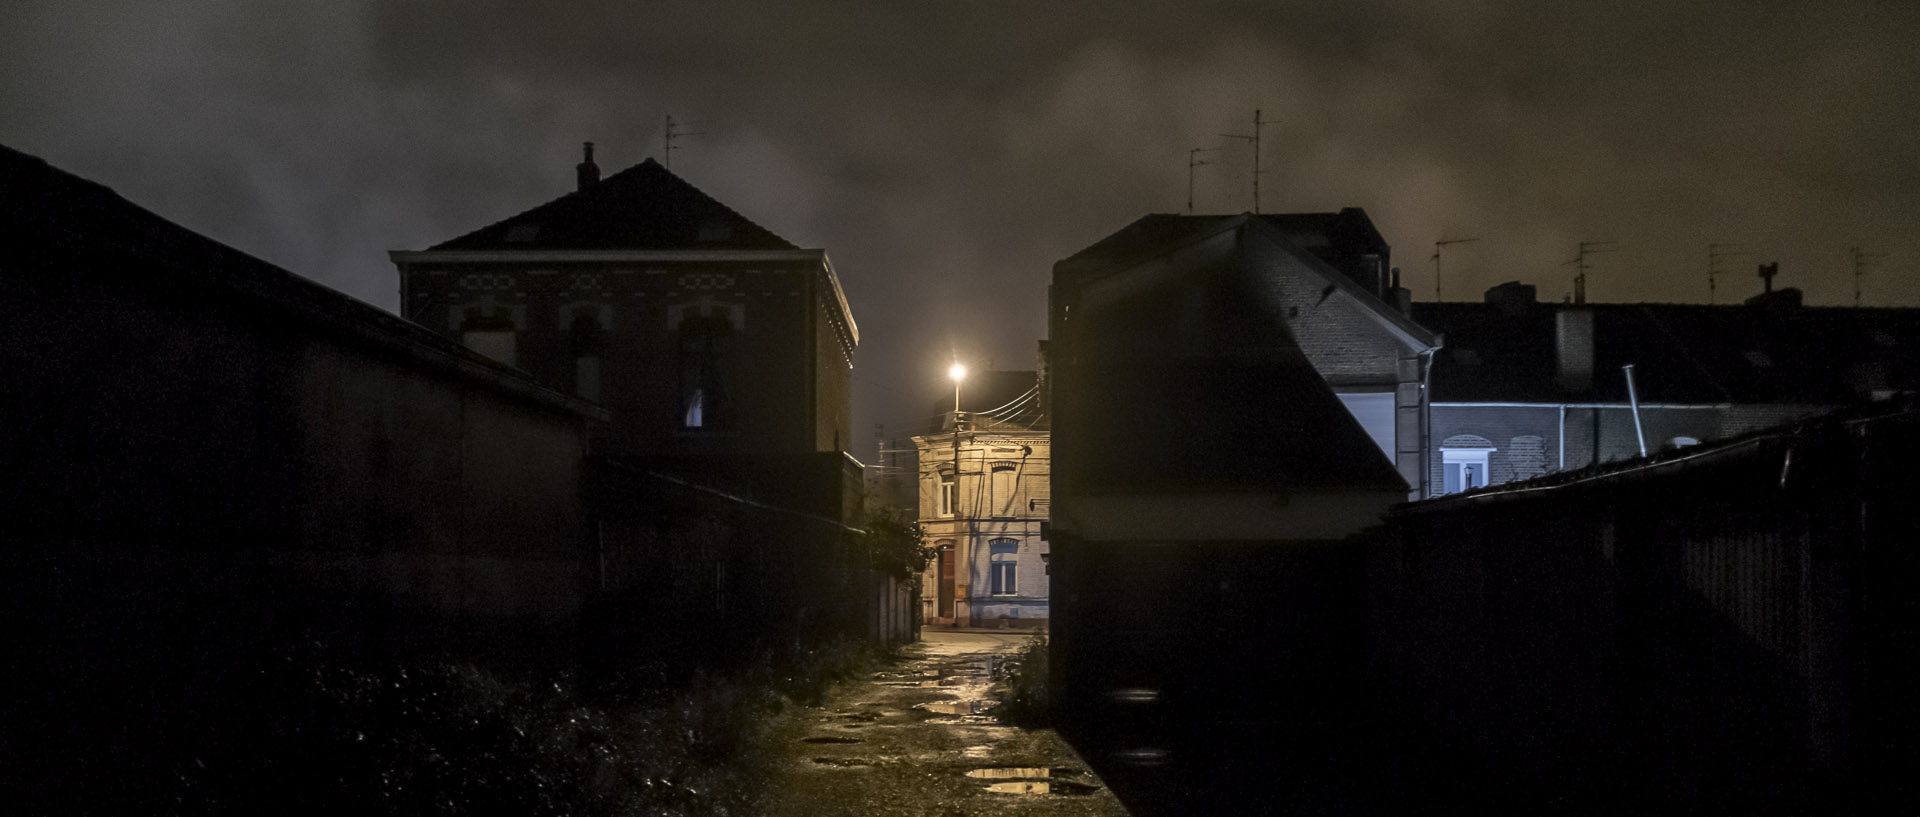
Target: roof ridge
(645,206)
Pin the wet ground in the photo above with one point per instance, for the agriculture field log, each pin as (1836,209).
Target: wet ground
(919,738)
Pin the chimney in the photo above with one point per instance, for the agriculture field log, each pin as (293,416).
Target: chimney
(1402,297)
(586,173)
(1772,298)
(1573,347)
(1512,297)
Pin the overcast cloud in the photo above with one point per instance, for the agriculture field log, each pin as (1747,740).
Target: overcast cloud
(947,153)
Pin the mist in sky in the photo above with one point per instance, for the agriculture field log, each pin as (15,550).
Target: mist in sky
(945,154)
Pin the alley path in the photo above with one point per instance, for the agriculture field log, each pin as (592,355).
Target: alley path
(916,739)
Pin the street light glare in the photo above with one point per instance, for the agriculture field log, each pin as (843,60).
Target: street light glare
(958,372)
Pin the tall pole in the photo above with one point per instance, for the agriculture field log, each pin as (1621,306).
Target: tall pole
(1255,139)
(1437,245)
(1193,161)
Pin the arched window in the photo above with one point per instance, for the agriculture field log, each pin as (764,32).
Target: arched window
(1004,563)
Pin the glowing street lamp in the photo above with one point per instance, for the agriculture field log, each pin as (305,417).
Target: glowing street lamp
(958,373)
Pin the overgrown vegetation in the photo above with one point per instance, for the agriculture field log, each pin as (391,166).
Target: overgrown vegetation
(306,733)
(1026,703)
(894,542)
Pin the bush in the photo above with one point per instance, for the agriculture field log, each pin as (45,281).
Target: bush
(1027,703)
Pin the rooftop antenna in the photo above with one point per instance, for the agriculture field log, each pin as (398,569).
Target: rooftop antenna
(667,137)
(1715,252)
(1255,139)
(1193,161)
(1579,263)
(1436,261)
(1861,261)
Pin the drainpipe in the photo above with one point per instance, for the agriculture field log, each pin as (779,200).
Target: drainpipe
(1563,437)
(1633,399)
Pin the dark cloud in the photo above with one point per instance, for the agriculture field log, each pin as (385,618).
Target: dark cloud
(947,153)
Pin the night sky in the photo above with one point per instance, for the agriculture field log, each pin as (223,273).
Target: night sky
(947,153)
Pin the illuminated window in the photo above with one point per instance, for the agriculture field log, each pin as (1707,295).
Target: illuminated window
(1465,469)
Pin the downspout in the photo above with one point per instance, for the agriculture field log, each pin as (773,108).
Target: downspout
(1563,437)
(1426,424)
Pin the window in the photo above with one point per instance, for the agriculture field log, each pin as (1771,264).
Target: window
(704,346)
(946,494)
(696,410)
(1001,475)
(586,337)
(1005,558)
(491,332)
(1464,469)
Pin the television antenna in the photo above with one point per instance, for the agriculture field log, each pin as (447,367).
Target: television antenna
(1193,161)
(1255,139)
(1715,252)
(1580,264)
(669,135)
(1861,261)
(1436,261)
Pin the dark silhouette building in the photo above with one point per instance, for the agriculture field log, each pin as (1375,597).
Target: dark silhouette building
(703,334)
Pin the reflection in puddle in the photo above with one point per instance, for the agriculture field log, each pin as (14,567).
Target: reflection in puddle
(1010,772)
(829,740)
(958,707)
(1145,756)
(1021,787)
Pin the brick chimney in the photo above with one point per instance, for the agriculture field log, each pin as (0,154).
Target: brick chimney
(586,173)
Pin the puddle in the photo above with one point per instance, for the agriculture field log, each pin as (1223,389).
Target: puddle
(1145,756)
(1026,772)
(958,707)
(841,762)
(829,740)
(1007,772)
(1042,787)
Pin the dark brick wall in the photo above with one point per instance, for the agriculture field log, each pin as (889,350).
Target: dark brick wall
(786,368)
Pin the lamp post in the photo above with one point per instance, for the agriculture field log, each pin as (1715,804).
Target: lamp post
(963,555)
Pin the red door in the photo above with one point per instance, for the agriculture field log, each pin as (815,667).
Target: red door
(945,609)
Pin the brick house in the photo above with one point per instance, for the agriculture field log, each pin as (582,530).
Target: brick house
(705,335)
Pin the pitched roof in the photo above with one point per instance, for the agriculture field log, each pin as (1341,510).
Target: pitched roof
(644,207)
(55,223)
(1681,353)
(1244,411)
(1340,239)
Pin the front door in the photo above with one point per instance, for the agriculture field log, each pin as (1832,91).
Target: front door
(945,609)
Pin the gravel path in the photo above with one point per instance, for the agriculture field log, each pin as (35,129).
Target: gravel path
(918,738)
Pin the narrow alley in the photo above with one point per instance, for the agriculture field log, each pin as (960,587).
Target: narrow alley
(919,738)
